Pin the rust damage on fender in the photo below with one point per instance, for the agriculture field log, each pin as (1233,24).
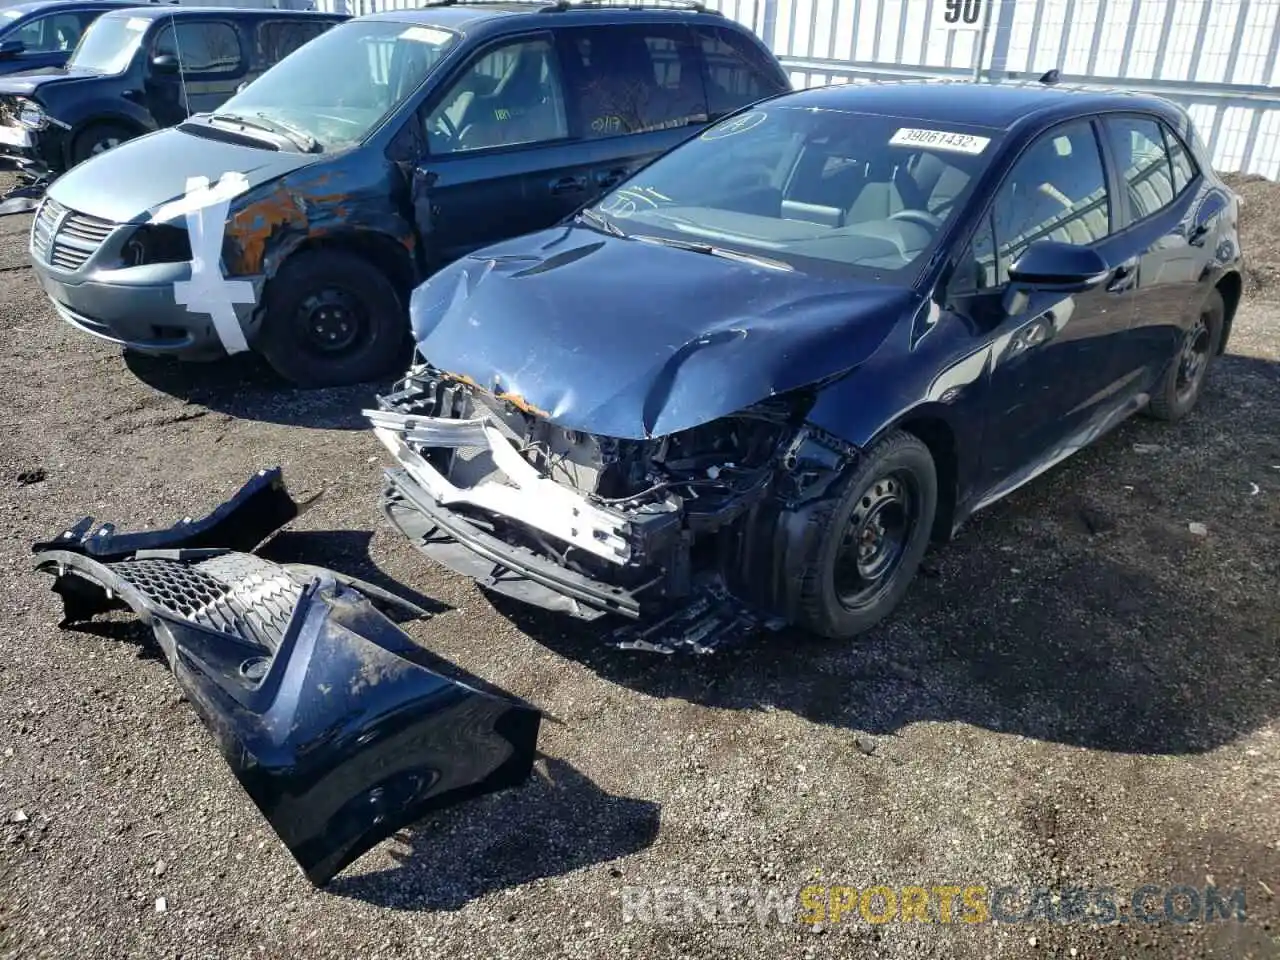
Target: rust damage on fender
(270,226)
(502,396)
(271,219)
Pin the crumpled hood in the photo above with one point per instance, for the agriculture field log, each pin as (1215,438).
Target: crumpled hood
(152,170)
(629,339)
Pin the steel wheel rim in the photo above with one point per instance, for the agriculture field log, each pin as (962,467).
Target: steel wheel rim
(875,539)
(332,321)
(1193,359)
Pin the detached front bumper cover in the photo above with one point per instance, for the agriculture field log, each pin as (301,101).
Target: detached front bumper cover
(328,714)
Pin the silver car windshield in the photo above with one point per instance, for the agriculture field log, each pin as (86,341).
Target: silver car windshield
(338,87)
(108,44)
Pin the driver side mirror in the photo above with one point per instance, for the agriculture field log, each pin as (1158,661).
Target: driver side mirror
(1051,265)
(11,48)
(165,63)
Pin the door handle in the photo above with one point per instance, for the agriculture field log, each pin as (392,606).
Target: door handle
(1036,333)
(1124,277)
(568,185)
(608,178)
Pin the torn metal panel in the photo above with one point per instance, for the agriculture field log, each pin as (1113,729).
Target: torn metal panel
(501,495)
(521,493)
(340,728)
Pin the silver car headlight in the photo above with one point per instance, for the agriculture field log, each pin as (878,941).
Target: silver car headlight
(31,115)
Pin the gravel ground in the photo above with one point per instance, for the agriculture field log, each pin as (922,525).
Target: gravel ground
(1080,691)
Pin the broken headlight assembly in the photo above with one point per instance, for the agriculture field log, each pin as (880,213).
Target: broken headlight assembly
(31,115)
(156,243)
(589,524)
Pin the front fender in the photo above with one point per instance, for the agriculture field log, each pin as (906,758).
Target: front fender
(941,375)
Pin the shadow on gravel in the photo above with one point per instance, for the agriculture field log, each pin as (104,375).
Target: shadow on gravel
(1093,655)
(245,387)
(343,551)
(1029,623)
(557,822)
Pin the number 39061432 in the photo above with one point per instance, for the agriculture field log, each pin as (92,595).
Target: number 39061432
(962,11)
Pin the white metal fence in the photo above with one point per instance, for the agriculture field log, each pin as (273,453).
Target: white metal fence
(1217,57)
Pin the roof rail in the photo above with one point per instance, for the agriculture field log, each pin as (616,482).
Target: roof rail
(560,6)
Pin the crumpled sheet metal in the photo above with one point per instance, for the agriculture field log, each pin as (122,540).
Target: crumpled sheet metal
(334,721)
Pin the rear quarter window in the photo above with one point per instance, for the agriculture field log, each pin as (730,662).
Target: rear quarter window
(276,39)
(738,72)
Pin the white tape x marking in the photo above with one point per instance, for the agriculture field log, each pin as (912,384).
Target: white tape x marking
(209,291)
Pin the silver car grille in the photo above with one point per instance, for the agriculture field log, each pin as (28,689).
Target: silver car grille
(65,238)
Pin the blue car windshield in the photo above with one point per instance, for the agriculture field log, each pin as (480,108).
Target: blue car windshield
(821,190)
(108,44)
(338,87)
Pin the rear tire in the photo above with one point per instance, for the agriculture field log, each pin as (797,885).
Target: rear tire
(331,319)
(873,537)
(98,138)
(1180,388)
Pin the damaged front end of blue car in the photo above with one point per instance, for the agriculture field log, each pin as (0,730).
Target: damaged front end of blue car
(339,726)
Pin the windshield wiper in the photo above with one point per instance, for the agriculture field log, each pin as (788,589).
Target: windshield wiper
(713,251)
(299,138)
(598,221)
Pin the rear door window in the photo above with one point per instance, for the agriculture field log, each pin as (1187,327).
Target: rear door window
(201,46)
(634,79)
(738,72)
(1184,168)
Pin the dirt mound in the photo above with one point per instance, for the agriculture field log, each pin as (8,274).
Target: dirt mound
(1259,231)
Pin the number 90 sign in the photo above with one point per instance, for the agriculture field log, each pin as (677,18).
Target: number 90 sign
(961,14)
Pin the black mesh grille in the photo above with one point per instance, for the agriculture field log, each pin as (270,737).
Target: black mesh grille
(237,594)
(175,586)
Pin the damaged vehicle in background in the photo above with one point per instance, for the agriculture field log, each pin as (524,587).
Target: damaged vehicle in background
(754,381)
(382,150)
(140,69)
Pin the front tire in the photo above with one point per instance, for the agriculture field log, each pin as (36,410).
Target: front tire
(98,138)
(874,535)
(1179,390)
(332,319)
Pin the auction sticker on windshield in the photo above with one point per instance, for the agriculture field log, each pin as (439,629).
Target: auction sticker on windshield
(426,35)
(137,23)
(939,140)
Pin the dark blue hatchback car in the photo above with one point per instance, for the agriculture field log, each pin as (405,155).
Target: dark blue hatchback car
(754,380)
